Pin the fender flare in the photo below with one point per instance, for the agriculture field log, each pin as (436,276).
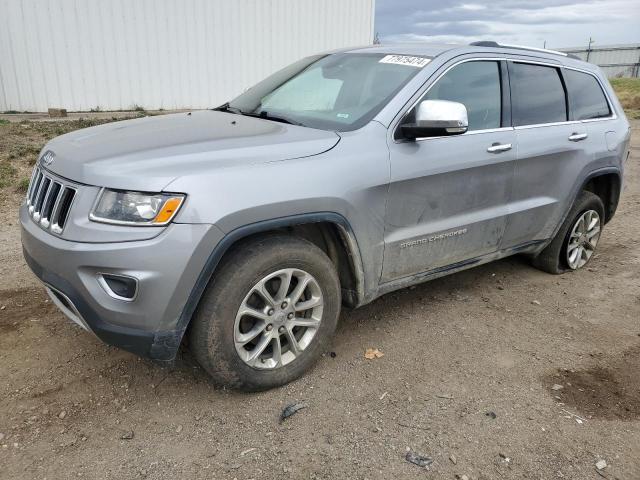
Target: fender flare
(592,174)
(604,171)
(264,226)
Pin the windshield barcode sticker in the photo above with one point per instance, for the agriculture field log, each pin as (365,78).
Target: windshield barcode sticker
(418,62)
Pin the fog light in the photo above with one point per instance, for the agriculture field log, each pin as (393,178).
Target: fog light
(120,287)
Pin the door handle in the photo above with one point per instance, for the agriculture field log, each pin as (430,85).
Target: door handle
(499,147)
(576,137)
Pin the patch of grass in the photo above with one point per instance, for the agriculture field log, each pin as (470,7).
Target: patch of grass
(633,114)
(23,185)
(7,172)
(22,151)
(4,122)
(628,92)
(137,108)
(28,154)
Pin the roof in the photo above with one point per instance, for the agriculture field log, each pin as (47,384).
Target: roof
(424,49)
(433,50)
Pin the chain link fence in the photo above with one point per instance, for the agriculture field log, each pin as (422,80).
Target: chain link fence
(616,61)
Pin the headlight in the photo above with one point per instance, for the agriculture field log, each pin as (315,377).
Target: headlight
(135,208)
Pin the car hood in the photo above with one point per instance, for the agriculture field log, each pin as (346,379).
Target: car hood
(148,153)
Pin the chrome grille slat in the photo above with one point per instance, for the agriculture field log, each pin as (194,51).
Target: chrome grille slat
(42,191)
(35,190)
(49,200)
(59,219)
(52,198)
(33,175)
(56,208)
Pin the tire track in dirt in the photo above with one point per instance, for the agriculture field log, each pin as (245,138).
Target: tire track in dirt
(18,306)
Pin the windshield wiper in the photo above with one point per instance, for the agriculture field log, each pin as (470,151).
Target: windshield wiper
(275,118)
(226,107)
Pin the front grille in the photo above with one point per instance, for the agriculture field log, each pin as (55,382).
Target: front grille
(49,200)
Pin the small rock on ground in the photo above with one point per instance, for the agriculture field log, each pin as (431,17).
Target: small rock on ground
(418,459)
(601,464)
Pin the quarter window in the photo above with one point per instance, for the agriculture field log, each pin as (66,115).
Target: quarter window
(477,86)
(537,94)
(586,98)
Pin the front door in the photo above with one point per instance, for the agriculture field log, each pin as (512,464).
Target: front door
(448,197)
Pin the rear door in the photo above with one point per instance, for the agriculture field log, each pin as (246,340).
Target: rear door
(552,150)
(448,196)
(589,104)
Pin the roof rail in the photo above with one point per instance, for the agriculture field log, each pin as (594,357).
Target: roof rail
(489,43)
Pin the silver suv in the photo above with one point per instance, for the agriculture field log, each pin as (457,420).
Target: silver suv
(334,181)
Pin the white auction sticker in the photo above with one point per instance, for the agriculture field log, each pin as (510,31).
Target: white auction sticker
(418,62)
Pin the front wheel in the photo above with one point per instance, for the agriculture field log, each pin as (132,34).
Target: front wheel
(268,313)
(575,242)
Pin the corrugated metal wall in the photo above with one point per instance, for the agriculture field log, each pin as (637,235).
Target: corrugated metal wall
(614,60)
(115,54)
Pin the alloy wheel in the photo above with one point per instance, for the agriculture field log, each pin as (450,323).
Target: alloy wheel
(583,239)
(278,319)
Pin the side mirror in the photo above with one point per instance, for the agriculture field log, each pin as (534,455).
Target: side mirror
(435,118)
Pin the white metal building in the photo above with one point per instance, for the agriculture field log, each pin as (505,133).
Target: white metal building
(118,54)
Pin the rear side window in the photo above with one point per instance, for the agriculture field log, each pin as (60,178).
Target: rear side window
(477,86)
(537,94)
(586,98)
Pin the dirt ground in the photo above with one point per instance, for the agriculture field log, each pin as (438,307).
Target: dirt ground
(499,372)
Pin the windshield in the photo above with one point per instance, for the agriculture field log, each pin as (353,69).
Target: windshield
(340,92)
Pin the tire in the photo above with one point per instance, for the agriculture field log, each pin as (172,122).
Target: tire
(555,258)
(218,323)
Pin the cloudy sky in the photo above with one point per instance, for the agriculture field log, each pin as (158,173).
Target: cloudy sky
(562,23)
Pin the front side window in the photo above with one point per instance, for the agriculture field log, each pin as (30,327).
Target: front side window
(339,92)
(586,98)
(477,86)
(537,94)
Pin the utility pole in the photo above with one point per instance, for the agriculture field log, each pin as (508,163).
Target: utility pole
(589,48)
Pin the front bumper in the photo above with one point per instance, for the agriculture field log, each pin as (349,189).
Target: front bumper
(166,268)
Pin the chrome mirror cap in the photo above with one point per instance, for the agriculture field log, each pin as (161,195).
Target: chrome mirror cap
(442,114)
(436,118)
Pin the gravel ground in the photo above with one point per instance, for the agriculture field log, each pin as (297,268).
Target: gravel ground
(501,372)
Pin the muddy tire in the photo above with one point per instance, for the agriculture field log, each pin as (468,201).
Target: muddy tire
(267,314)
(575,243)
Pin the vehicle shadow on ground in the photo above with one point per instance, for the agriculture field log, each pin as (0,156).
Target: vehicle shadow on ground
(93,366)
(461,286)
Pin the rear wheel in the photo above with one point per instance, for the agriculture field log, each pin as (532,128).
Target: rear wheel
(583,238)
(267,314)
(575,242)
